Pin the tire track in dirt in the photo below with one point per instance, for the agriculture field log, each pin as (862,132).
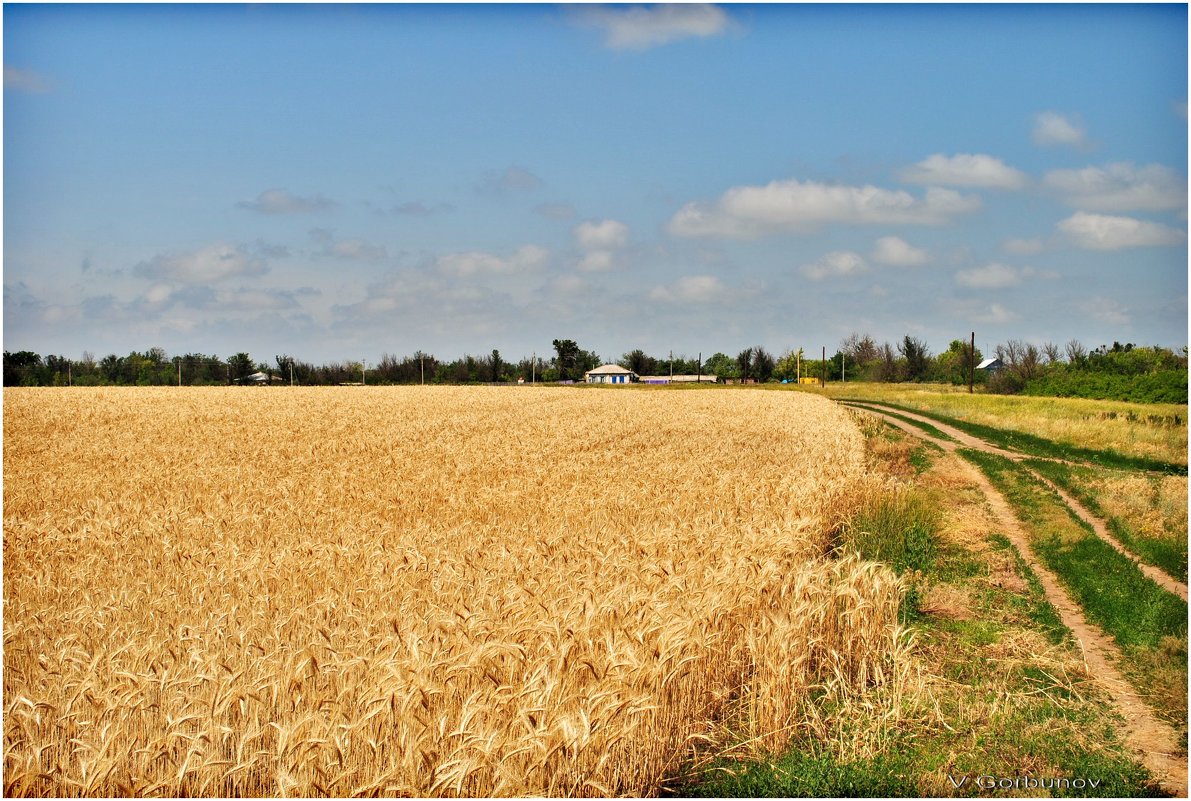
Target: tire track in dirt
(1156,743)
(1159,576)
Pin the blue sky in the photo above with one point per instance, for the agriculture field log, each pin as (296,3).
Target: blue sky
(337,182)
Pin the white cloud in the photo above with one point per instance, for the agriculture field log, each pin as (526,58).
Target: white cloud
(965,169)
(1024,247)
(643,27)
(1106,310)
(690,289)
(747,212)
(210,264)
(20,80)
(279,201)
(991,276)
(897,252)
(995,313)
(601,243)
(1053,128)
(1104,232)
(604,235)
(597,261)
(569,285)
(475,262)
(837,264)
(1121,187)
(998,276)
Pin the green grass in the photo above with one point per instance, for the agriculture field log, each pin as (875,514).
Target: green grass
(1148,623)
(798,774)
(1170,555)
(899,530)
(1032,445)
(1033,605)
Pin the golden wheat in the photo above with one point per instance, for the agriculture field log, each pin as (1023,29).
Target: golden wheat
(421,591)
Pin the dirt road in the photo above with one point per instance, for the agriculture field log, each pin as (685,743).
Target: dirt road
(1157,744)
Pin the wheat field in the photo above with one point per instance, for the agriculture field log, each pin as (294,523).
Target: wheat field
(428,591)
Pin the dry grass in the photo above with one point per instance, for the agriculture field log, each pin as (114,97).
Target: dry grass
(1134,429)
(423,591)
(1155,507)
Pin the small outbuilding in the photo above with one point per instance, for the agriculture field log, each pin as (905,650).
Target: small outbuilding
(705,378)
(991,365)
(610,374)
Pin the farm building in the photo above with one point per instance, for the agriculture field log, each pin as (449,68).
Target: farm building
(705,378)
(610,374)
(992,365)
(261,378)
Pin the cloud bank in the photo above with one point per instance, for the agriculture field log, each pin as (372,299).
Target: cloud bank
(748,212)
(643,27)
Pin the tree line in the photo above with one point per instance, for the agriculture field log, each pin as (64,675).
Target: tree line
(1120,371)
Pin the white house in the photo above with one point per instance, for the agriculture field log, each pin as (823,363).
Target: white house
(992,365)
(609,374)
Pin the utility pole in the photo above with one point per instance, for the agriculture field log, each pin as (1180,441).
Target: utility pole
(671,366)
(823,375)
(179,371)
(843,367)
(798,365)
(291,372)
(699,378)
(533,368)
(422,360)
(69,380)
(363,371)
(972,369)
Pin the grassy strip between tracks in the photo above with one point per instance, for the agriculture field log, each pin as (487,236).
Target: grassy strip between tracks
(1148,624)
(1169,555)
(1032,445)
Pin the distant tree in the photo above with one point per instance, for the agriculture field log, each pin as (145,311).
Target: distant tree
(763,364)
(241,366)
(917,357)
(954,364)
(787,365)
(567,358)
(1052,353)
(744,364)
(862,349)
(285,365)
(19,366)
(720,365)
(639,362)
(1077,354)
(494,364)
(886,366)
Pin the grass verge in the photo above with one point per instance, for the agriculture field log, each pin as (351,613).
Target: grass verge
(1148,623)
(927,427)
